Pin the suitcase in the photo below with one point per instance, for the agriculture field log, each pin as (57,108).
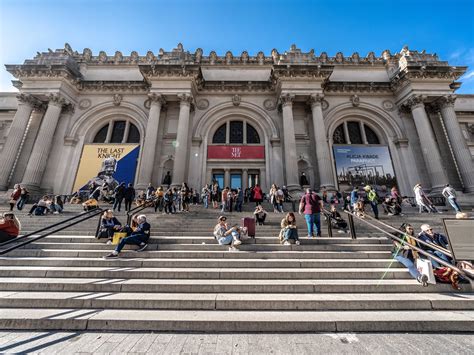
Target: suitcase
(250,224)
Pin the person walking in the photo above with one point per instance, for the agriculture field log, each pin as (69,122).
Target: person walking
(450,194)
(423,201)
(24,194)
(118,196)
(129,196)
(373,200)
(310,206)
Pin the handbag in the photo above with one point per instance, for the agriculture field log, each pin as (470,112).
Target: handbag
(118,236)
(426,268)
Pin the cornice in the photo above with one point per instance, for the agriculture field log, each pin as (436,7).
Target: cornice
(113,86)
(356,86)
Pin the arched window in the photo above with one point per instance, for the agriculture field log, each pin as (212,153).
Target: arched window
(354,132)
(236,132)
(119,131)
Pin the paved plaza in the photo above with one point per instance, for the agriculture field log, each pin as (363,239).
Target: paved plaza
(167,343)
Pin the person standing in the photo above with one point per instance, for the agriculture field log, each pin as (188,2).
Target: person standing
(239,199)
(167,180)
(450,194)
(15,195)
(310,206)
(205,195)
(354,197)
(257,195)
(118,196)
(373,199)
(423,201)
(129,196)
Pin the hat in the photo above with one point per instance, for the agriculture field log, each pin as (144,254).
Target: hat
(367,187)
(222,218)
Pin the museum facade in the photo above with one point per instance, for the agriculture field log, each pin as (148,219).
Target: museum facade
(389,120)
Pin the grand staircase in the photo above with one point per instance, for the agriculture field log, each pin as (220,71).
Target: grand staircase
(185,281)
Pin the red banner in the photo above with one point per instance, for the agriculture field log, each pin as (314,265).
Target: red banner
(235,152)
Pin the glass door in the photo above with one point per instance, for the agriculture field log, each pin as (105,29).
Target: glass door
(219,177)
(235,181)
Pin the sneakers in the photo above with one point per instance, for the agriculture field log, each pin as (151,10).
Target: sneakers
(111,256)
(297,242)
(237,242)
(233,249)
(341,231)
(55,212)
(109,242)
(286,243)
(423,279)
(143,246)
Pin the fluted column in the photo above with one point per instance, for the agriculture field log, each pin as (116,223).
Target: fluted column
(245,179)
(15,137)
(458,143)
(323,154)
(226,177)
(428,145)
(149,146)
(39,156)
(181,154)
(291,164)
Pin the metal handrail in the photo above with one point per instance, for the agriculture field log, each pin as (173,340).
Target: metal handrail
(97,211)
(134,210)
(417,249)
(431,245)
(48,227)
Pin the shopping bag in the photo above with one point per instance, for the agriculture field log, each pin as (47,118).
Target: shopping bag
(118,237)
(425,268)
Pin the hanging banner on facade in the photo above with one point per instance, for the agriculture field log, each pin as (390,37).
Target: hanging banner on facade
(111,163)
(364,165)
(235,152)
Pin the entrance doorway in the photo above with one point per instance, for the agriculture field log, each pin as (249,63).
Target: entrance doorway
(235,181)
(254,178)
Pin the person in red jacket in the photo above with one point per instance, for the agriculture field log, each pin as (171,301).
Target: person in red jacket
(9,227)
(257,195)
(15,195)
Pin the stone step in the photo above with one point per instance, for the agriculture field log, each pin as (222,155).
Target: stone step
(201,263)
(236,321)
(203,273)
(214,246)
(222,253)
(238,302)
(309,286)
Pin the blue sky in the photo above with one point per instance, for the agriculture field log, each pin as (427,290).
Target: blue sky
(439,26)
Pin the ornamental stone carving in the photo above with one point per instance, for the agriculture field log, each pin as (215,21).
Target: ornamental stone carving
(118,57)
(371,57)
(323,58)
(355,100)
(228,58)
(117,99)
(287,99)
(415,101)
(198,55)
(355,58)
(236,100)
(339,57)
(185,99)
(202,104)
(213,57)
(275,56)
(447,101)
(244,57)
(149,57)
(102,57)
(87,54)
(84,104)
(269,104)
(134,57)
(57,100)
(315,100)
(388,105)
(158,98)
(27,99)
(260,58)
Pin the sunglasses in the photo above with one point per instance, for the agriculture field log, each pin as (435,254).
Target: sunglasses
(223,219)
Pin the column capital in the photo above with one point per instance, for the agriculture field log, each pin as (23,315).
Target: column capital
(401,142)
(185,99)
(156,98)
(57,100)
(415,101)
(446,101)
(315,100)
(287,99)
(28,99)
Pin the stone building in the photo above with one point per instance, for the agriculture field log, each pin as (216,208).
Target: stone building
(239,119)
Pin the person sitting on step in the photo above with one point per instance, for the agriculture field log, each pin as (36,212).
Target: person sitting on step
(225,235)
(41,207)
(289,230)
(260,215)
(139,237)
(109,224)
(9,227)
(337,222)
(404,254)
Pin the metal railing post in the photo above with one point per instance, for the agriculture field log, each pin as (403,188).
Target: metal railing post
(352,226)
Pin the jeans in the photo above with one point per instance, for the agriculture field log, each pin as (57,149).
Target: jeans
(136,239)
(452,201)
(439,255)
(313,220)
(128,205)
(409,265)
(118,203)
(291,233)
(206,201)
(375,208)
(159,204)
(21,203)
(238,206)
(225,240)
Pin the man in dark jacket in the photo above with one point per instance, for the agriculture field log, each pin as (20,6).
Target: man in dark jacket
(167,179)
(129,196)
(139,237)
(310,205)
(119,193)
(429,236)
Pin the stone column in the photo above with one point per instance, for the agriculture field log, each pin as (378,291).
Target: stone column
(458,143)
(39,156)
(15,137)
(181,155)
(149,144)
(245,179)
(323,154)
(430,151)
(227,177)
(291,164)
